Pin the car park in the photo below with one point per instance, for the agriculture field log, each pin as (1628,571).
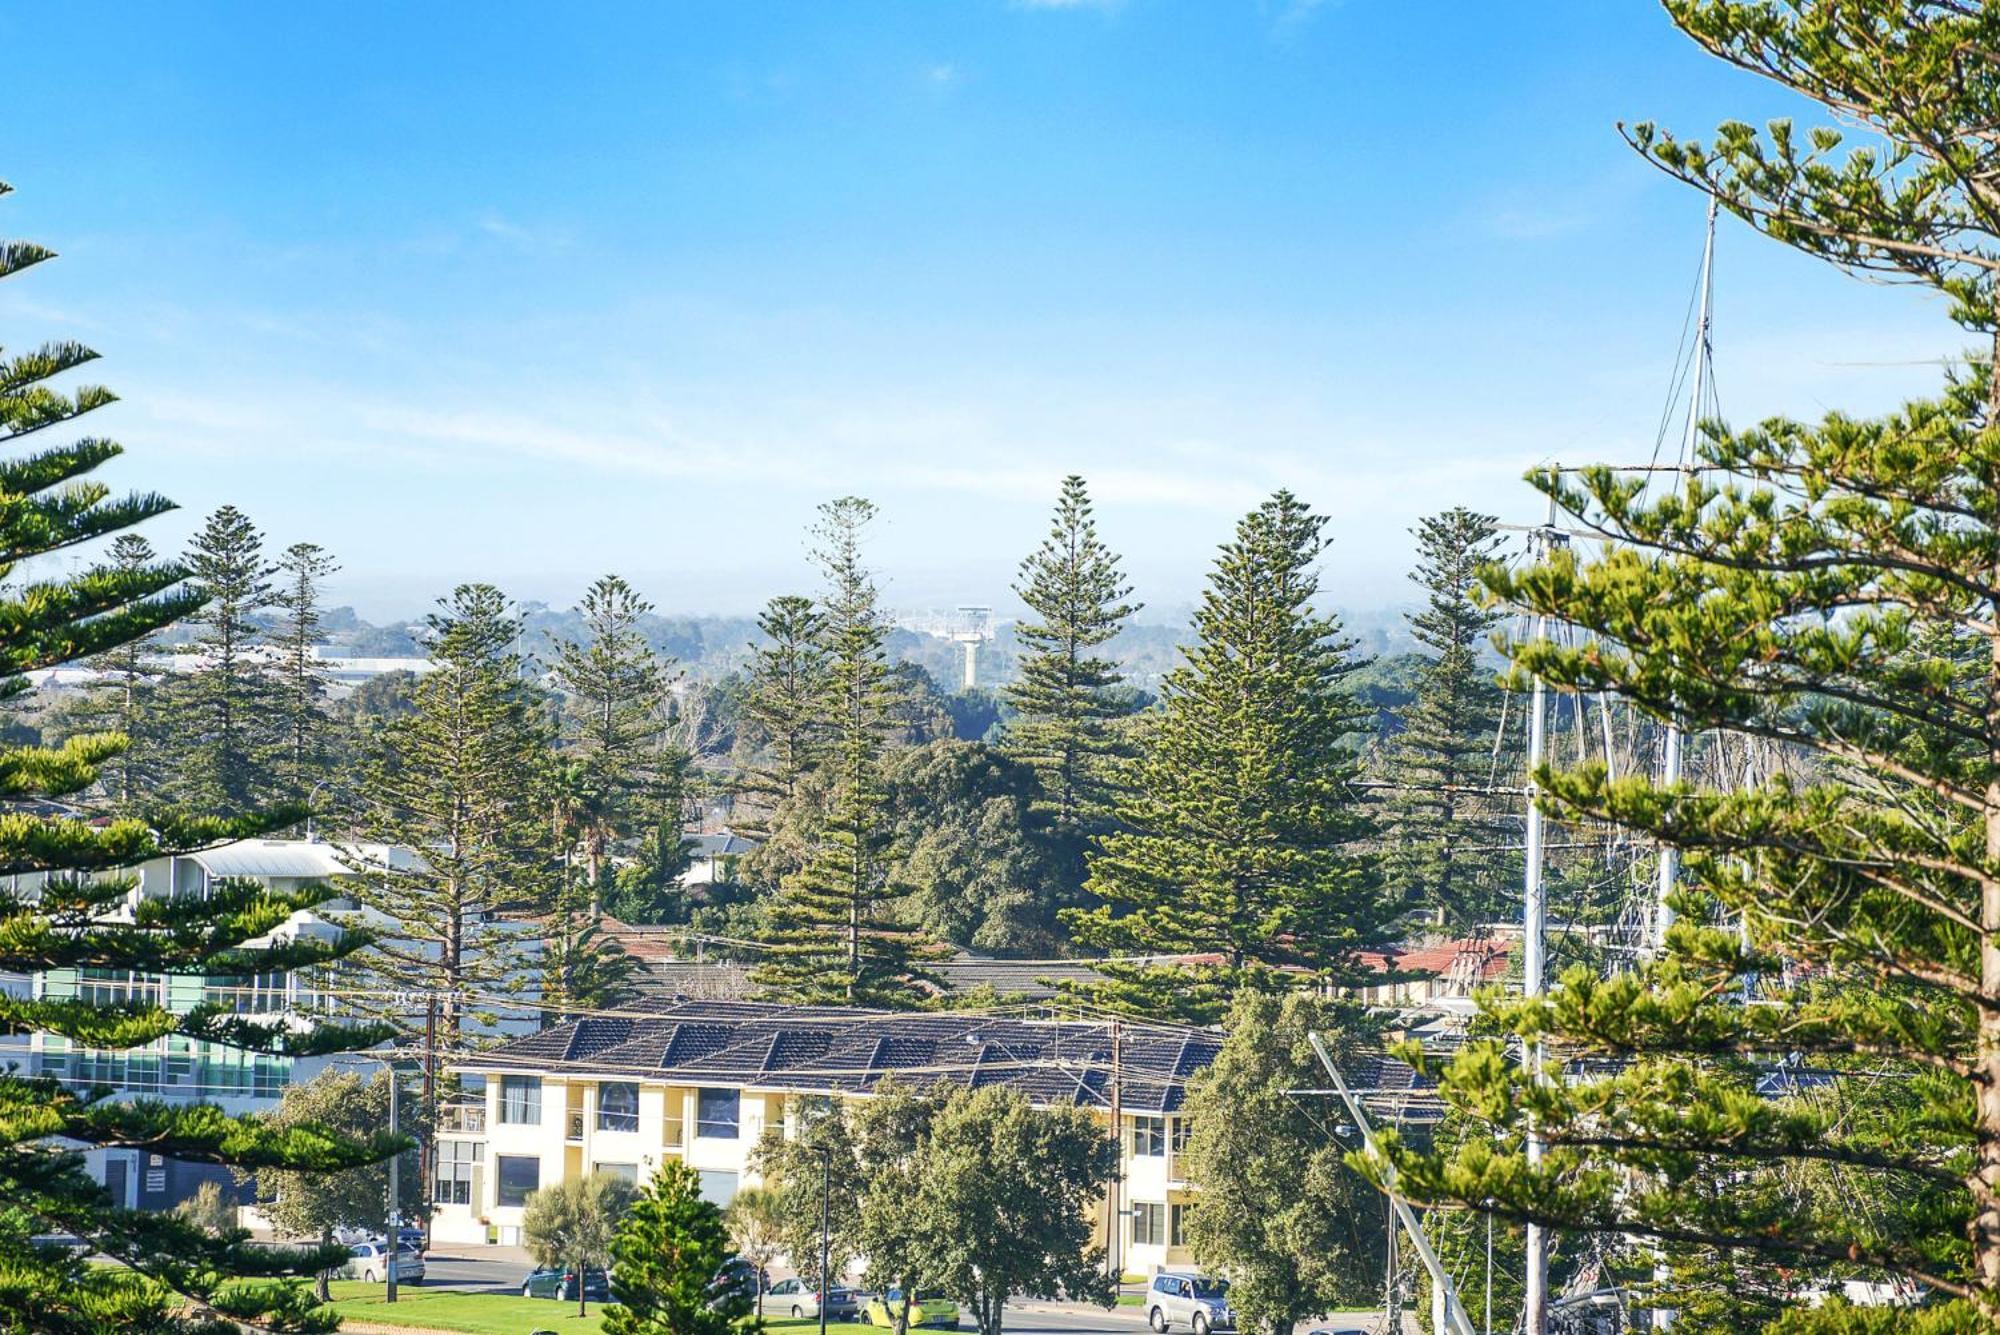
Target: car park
(936,1313)
(1189,1301)
(797,1298)
(561,1282)
(369,1261)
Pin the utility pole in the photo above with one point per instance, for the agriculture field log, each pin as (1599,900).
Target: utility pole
(1113,1251)
(394,1244)
(1534,915)
(427,1143)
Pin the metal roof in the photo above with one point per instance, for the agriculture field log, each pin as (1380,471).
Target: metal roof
(272,857)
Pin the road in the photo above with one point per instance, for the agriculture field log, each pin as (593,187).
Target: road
(501,1269)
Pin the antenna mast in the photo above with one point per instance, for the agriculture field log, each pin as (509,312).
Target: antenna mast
(1670,764)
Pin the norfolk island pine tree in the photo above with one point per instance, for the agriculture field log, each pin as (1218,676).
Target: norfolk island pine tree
(173,1276)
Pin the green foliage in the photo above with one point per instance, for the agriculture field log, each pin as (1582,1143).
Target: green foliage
(1243,841)
(462,779)
(573,1223)
(975,865)
(756,1223)
(1439,833)
(174,1272)
(224,712)
(312,1203)
(1828,588)
(1068,710)
(304,751)
(124,703)
(833,939)
(210,1210)
(666,1253)
(802,1180)
(1001,1203)
(1277,1208)
(783,715)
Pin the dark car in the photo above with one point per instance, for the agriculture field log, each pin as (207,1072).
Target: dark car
(554,1282)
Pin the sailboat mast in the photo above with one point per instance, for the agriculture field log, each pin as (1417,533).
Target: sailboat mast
(1670,761)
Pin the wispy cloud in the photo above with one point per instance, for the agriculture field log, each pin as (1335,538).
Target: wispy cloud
(941,76)
(1541,211)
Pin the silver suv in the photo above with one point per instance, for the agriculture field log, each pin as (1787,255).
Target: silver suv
(1195,1301)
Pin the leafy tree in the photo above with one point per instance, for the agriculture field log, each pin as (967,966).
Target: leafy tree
(977,867)
(1068,708)
(783,706)
(1243,837)
(801,1181)
(757,1230)
(313,1204)
(460,779)
(832,940)
(68,910)
(1828,587)
(1437,825)
(222,714)
(302,682)
(1278,1210)
(209,1210)
(889,1132)
(572,1225)
(1003,1190)
(664,1260)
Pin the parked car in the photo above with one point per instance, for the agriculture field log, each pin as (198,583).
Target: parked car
(924,1311)
(797,1298)
(1197,1302)
(369,1261)
(410,1235)
(560,1282)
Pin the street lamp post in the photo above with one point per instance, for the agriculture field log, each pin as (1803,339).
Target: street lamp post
(825,1230)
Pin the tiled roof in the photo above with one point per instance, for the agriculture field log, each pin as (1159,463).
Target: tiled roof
(755,1045)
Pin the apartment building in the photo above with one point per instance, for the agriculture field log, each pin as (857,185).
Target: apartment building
(702,1082)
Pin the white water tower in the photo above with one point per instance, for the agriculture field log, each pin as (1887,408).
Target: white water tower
(971,627)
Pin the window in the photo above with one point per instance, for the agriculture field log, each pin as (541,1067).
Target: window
(1177,1225)
(521,1100)
(456,1160)
(617,1106)
(1149,1224)
(624,1172)
(716,1114)
(519,1175)
(1177,1135)
(1149,1137)
(718,1187)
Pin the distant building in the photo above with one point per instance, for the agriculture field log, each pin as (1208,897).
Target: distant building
(711,857)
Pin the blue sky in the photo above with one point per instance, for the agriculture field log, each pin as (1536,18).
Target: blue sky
(530,292)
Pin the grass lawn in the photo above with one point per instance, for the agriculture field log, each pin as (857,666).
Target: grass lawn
(478,1313)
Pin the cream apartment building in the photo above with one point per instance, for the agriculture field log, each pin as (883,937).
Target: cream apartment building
(704,1080)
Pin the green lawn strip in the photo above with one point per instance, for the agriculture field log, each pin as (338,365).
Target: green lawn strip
(420,1309)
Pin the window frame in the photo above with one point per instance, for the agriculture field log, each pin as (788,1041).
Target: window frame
(1153,1215)
(500,1192)
(702,1121)
(626,1120)
(1149,1136)
(528,1085)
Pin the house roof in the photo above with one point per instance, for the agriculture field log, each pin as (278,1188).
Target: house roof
(271,857)
(806,1049)
(726,843)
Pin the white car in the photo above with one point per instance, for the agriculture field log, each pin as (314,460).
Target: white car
(369,1262)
